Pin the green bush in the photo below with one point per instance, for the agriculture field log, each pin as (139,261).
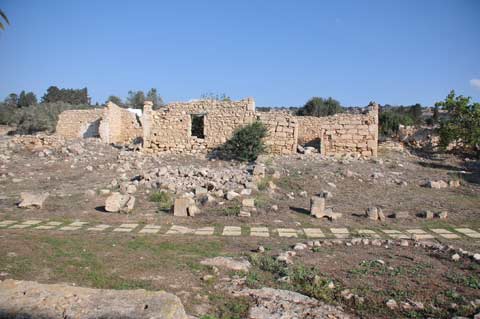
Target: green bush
(246,143)
(163,199)
(390,120)
(462,124)
(318,106)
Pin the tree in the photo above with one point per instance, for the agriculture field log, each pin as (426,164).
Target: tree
(26,99)
(154,98)
(416,113)
(318,106)
(52,95)
(435,115)
(4,16)
(116,100)
(71,96)
(135,99)
(11,100)
(462,124)
(215,96)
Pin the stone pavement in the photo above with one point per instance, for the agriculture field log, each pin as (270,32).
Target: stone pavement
(254,231)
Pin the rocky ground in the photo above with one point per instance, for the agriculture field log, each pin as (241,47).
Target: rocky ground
(49,179)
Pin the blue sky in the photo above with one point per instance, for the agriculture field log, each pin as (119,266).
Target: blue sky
(280,52)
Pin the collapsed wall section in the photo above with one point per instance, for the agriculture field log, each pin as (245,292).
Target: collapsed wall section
(342,133)
(119,125)
(79,123)
(112,124)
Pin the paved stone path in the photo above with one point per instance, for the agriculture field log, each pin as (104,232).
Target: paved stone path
(254,231)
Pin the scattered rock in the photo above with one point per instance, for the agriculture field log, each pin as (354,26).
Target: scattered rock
(437,184)
(272,303)
(117,202)
(26,299)
(455,257)
(317,206)
(400,215)
(228,263)
(29,199)
(391,304)
(442,215)
(427,214)
(248,202)
(454,183)
(231,195)
(181,205)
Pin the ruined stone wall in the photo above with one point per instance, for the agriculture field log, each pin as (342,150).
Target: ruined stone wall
(118,125)
(169,128)
(282,132)
(79,123)
(342,133)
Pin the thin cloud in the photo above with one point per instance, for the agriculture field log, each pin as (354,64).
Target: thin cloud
(475,83)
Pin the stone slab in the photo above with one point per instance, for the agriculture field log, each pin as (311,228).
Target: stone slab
(287,232)
(19,226)
(449,236)
(54,223)
(205,231)
(146,230)
(391,231)
(69,228)
(339,230)
(6,223)
(100,227)
(232,231)
(32,222)
(176,230)
(313,232)
(78,224)
(416,231)
(422,236)
(45,227)
(440,231)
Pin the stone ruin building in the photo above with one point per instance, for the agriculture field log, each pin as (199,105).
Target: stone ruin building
(203,125)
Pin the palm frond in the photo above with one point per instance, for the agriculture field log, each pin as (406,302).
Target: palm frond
(1,26)
(4,16)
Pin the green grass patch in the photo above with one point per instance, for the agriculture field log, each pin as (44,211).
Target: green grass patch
(163,199)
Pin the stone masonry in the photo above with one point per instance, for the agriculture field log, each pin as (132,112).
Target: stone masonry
(112,124)
(342,133)
(170,128)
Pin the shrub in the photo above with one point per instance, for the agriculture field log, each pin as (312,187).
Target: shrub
(37,118)
(246,143)
(318,106)
(163,199)
(390,120)
(462,124)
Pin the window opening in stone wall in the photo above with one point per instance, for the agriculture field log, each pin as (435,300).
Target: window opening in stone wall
(198,125)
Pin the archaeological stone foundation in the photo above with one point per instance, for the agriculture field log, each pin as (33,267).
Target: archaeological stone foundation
(204,125)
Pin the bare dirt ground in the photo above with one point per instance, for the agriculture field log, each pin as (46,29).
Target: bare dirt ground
(392,182)
(77,179)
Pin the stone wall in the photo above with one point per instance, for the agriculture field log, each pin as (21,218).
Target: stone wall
(169,129)
(112,124)
(282,132)
(79,123)
(342,133)
(119,126)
